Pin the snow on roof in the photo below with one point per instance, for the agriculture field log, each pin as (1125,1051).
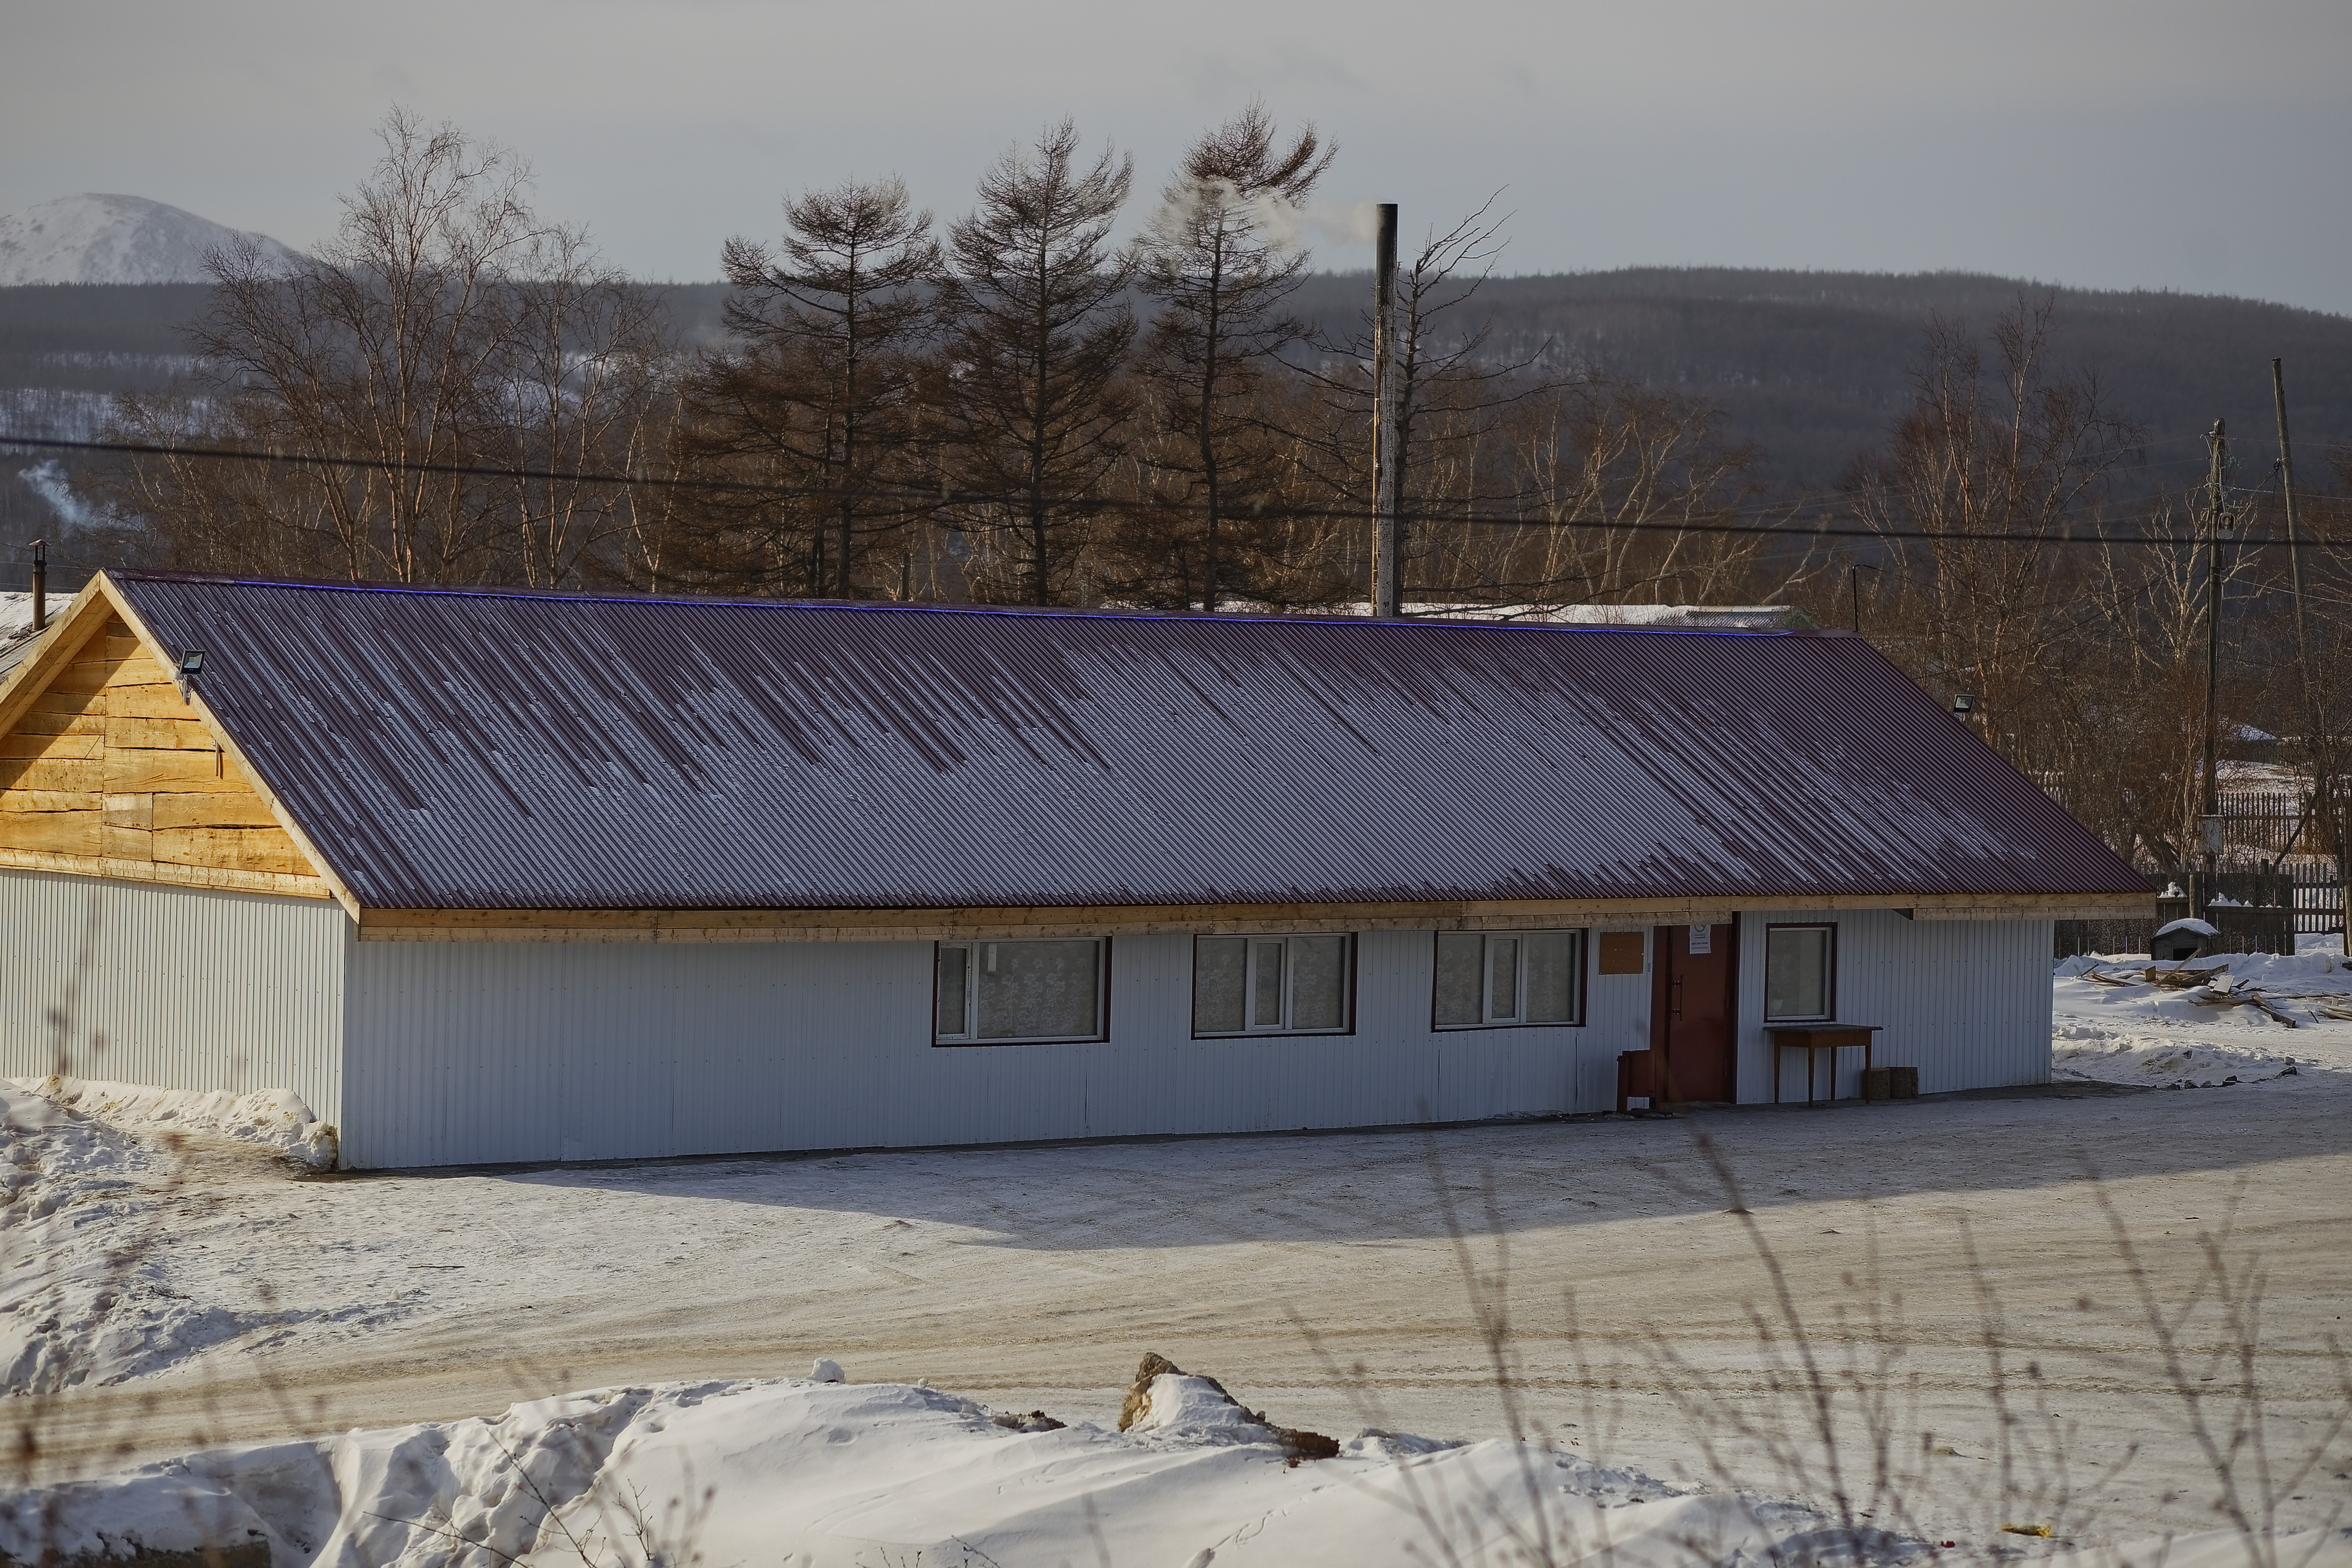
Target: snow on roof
(493,750)
(2196,927)
(1703,617)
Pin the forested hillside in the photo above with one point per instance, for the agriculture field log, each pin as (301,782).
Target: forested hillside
(1811,368)
(1814,367)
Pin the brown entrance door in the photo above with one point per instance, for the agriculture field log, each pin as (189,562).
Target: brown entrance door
(1691,1011)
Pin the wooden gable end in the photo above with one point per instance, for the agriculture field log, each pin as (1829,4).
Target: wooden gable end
(111,771)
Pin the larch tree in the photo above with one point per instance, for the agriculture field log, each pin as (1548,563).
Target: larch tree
(1218,261)
(1040,330)
(824,396)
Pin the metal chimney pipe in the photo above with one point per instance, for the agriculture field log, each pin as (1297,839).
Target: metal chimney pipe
(1385,431)
(40,583)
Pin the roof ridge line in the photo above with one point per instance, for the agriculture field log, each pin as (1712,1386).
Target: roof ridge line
(1045,612)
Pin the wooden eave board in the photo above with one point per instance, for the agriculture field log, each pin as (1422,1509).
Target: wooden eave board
(916,925)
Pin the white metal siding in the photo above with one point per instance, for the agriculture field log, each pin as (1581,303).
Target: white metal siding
(180,987)
(485,1052)
(1966,1002)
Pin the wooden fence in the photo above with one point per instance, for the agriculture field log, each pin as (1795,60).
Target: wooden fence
(2257,911)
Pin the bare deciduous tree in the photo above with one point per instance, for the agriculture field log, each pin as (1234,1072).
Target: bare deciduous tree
(1452,394)
(1990,467)
(1639,496)
(587,372)
(446,327)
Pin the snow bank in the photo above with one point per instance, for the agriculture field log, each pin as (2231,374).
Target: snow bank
(841,1474)
(71,1310)
(85,1295)
(273,1119)
(2224,1021)
(2097,1056)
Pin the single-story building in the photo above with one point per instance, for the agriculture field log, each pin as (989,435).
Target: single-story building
(502,876)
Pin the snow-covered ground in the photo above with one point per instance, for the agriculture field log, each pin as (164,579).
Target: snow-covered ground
(2228,1021)
(215,1290)
(87,1290)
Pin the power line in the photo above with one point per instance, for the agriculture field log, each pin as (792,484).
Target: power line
(1789,528)
(504,471)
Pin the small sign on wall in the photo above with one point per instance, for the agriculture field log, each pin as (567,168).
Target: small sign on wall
(1621,951)
(1702,939)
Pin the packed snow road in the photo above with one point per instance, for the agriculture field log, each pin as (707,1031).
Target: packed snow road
(227,1299)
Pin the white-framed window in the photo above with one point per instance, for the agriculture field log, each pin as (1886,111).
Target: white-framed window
(1273,985)
(1799,974)
(1493,979)
(1012,993)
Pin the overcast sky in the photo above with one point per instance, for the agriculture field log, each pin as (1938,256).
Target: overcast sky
(2204,146)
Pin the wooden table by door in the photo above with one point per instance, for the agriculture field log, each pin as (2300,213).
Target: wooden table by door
(1692,1009)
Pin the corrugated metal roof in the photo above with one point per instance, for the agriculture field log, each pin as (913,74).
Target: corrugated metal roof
(475,750)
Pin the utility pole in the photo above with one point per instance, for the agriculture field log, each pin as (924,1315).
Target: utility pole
(1853,587)
(1386,589)
(2217,523)
(2321,742)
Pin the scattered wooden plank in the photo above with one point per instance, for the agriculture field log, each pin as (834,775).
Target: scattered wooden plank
(2256,998)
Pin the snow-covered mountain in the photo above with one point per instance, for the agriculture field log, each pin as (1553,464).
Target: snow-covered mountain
(93,238)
